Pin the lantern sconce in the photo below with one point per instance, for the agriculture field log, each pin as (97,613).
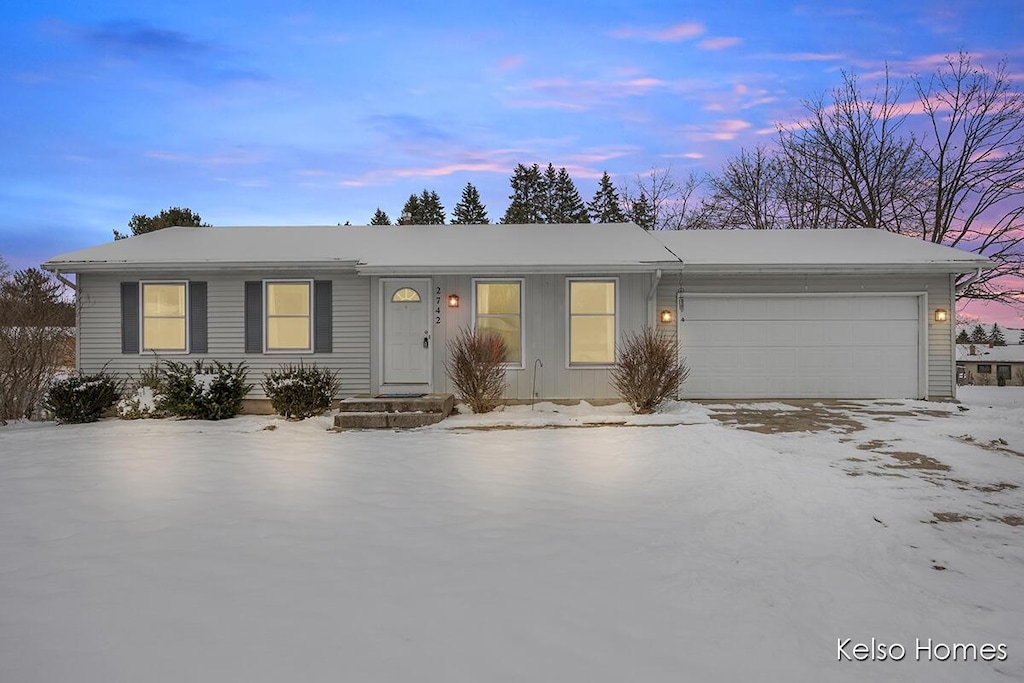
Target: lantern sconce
(453,301)
(941,315)
(666,316)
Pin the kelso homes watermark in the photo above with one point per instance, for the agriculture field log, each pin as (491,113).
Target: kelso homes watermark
(922,650)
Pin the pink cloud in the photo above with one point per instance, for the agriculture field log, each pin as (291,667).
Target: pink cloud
(672,34)
(224,159)
(721,130)
(719,43)
(510,62)
(812,57)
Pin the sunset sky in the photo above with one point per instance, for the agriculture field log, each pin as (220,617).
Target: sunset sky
(271,113)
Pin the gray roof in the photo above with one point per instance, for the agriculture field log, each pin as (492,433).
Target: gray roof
(482,249)
(983,353)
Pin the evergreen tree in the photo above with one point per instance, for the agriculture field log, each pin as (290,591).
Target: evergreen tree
(380,218)
(606,206)
(997,338)
(140,223)
(527,198)
(642,212)
(963,338)
(411,212)
(978,335)
(431,210)
(566,205)
(469,210)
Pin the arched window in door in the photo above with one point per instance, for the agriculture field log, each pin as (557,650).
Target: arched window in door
(405,295)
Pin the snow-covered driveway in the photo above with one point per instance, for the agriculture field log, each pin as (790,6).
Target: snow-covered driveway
(185,551)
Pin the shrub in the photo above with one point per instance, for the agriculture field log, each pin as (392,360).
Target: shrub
(202,392)
(301,392)
(647,370)
(476,367)
(82,398)
(140,401)
(1001,381)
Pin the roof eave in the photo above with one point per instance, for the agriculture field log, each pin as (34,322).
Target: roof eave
(192,266)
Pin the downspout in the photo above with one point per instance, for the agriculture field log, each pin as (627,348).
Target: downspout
(71,285)
(968,282)
(650,297)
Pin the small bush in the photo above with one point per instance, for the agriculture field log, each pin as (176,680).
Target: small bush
(647,370)
(202,392)
(476,367)
(301,392)
(1001,381)
(82,398)
(139,402)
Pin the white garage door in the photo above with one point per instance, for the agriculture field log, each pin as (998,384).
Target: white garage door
(789,346)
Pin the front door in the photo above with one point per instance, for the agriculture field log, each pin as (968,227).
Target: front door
(406,335)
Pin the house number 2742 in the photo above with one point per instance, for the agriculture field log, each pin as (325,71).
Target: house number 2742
(437,305)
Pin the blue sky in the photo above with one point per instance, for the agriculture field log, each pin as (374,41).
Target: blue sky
(319,112)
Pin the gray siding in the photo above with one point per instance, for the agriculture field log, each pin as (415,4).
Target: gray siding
(545,320)
(941,362)
(99,315)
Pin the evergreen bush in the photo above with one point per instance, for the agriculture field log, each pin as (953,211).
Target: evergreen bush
(647,370)
(203,392)
(300,391)
(476,367)
(81,398)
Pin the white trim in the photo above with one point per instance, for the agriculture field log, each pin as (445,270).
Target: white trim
(266,303)
(922,317)
(568,322)
(142,320)
(382,386)
(521,365)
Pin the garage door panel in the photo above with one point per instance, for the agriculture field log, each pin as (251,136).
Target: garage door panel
(838,346)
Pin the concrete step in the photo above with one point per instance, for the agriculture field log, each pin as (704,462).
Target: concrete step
(381,420)
(428,403)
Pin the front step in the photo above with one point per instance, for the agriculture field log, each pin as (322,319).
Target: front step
(390,412)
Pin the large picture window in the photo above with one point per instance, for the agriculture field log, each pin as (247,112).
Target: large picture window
(288,316)
(163,316)
(499,309)
(591,322)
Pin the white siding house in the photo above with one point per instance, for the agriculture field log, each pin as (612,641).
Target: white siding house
(759,314)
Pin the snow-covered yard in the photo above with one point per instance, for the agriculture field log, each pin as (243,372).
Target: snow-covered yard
(732,547)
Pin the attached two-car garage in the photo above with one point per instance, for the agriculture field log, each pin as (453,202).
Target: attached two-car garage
(802,345)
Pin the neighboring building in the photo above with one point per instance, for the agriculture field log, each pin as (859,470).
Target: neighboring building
(760,314)
(983,364)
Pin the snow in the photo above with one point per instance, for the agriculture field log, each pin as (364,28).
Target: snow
(258,549)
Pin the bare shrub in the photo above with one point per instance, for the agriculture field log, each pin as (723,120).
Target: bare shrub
(648,370)
(476,367)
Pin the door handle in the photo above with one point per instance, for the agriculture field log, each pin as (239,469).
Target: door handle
(426,341)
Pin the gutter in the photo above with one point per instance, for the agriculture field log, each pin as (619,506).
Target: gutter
(67,283)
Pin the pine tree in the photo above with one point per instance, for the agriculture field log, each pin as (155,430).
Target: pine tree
(380,218)
(606,206)
(963,338)
(527,198)
(431,210)
(642,212)
(978,335)
(469,210)
(140,223)
(997,338)
(411,212)
(566,205)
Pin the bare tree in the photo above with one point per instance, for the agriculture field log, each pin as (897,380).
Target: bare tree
(974,153)
(665,202)
(749,192)
(851,153)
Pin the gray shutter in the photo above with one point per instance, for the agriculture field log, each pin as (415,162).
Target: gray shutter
(323,316)
(254,317)
(197,317)
(129,317)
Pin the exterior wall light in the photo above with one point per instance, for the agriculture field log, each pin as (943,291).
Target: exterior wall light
(666,316)
(941,315)
(453,301)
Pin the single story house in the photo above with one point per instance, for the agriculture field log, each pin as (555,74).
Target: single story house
(759,314)
(985,364)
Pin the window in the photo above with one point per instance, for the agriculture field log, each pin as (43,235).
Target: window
(163,316)
(984,368)
(405,294)
(591,322)
(288,316)
(499,309)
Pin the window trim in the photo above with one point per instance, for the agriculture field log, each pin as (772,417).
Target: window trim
(266,315)
(521,281)
(986,371)
(569,364)
(142,320)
